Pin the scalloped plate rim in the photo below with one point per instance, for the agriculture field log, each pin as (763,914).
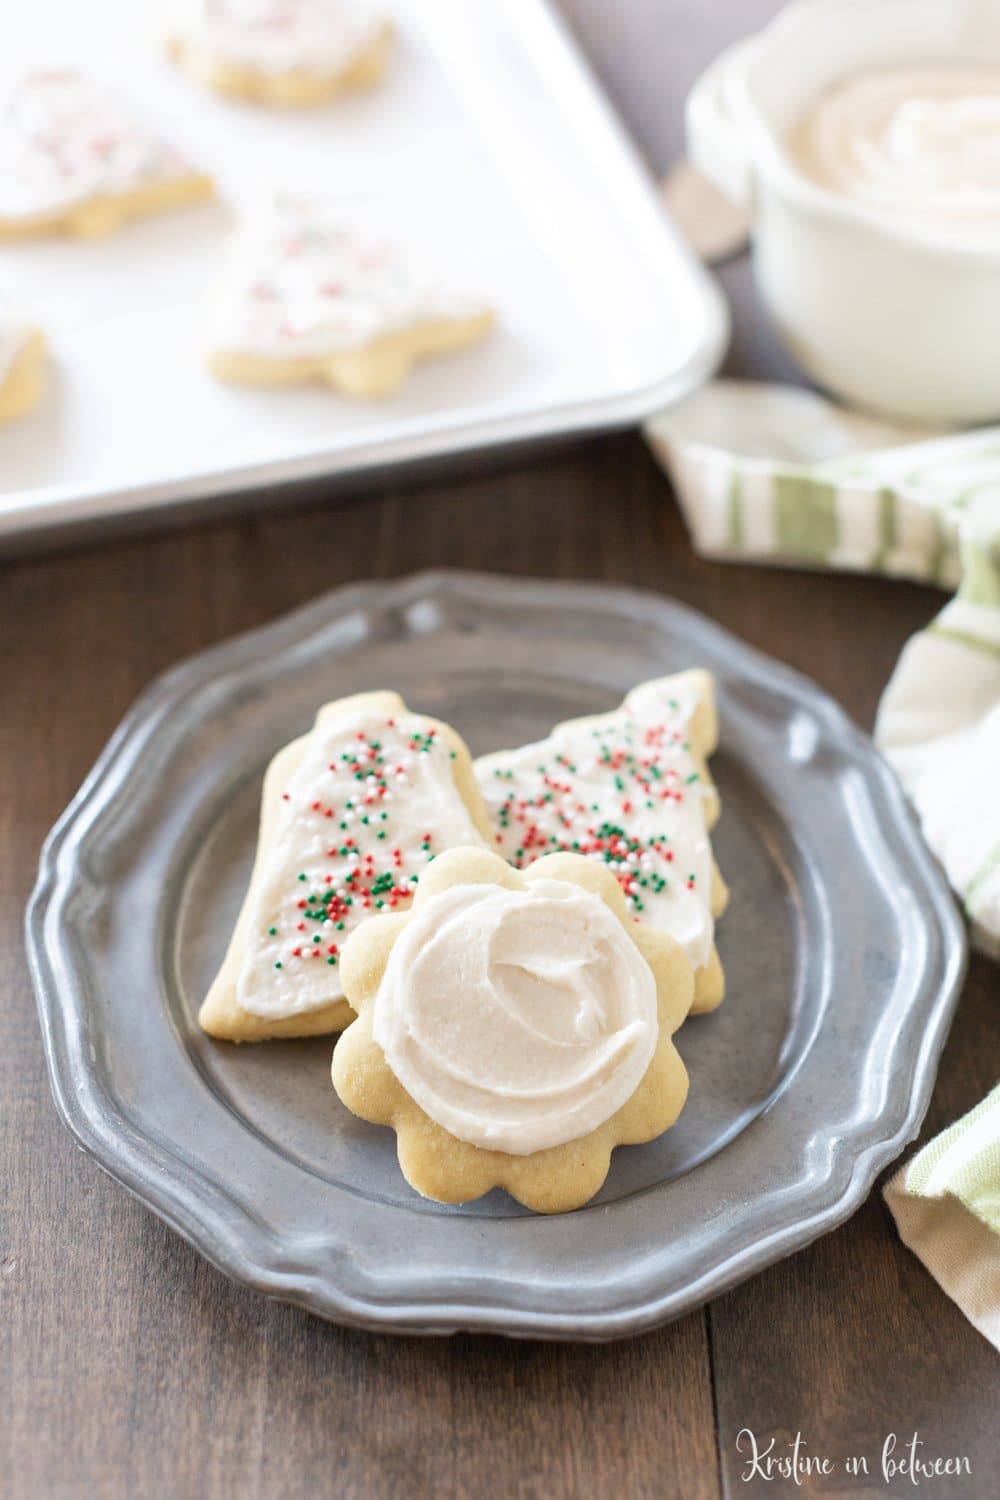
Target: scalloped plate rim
(188,1202)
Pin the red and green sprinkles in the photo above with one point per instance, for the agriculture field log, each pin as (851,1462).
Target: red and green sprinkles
(367,871)
(551,815)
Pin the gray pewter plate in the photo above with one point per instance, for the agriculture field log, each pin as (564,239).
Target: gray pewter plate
(842,947)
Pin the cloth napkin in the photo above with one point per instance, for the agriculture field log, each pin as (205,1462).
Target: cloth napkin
(782,476)
(946,1203)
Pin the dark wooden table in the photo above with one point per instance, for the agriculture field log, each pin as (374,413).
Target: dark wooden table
(130,1368)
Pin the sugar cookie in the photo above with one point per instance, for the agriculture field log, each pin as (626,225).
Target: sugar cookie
(308,300)
(284,52)
(22,359)
(630,789)
(513,1029)
(72,160)
(352,815)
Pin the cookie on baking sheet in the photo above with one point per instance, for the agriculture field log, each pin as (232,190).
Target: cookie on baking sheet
(309,300)
(631,789)
(513,1029)
(284,52)
(352,815)
(22,362)
(72,160)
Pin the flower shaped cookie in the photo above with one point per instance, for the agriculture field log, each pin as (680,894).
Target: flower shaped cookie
(513,1028)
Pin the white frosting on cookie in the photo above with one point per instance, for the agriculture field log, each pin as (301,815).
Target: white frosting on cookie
(517,1019)
(371,803)
(280,36)
(63,142)
(624,789)
(303,286)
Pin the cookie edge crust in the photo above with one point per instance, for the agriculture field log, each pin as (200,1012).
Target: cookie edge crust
(293,89)
(372,371)
(22,389)
(106,213)
(439,1165)
(220,1014)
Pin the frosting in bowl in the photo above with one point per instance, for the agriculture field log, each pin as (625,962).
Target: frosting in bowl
(919,145)
(517,1020)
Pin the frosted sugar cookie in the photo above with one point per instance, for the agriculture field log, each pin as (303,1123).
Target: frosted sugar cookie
(513,1029)
(352,815)
(72,160)
(309,300)
(631,790)
(286,52)
(22,356)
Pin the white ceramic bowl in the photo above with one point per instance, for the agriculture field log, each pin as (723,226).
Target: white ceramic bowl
(881,316)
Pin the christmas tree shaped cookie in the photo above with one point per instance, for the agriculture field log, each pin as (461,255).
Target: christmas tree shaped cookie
(630,789)
(285,52)
(22,359)
(352,816)
(309,300)
(514,1029)
(73,160)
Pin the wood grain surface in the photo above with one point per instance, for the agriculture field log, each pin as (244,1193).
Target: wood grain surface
(129,1367)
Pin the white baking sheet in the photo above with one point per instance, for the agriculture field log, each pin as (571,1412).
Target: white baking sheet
(488,148)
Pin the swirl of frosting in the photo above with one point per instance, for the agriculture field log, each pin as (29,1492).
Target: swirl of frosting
(517,1019)
(916,144)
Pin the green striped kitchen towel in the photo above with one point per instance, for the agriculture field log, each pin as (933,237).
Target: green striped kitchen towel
(946,1203)
(777,475)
